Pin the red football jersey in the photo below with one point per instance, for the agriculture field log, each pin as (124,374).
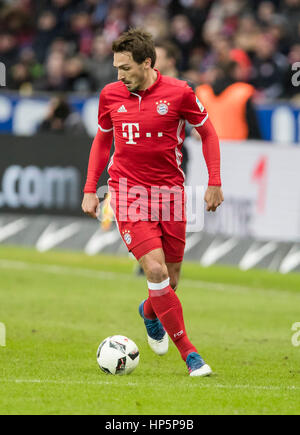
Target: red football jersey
(149,130)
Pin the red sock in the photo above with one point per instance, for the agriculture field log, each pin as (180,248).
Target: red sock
(148,310)
(168,309)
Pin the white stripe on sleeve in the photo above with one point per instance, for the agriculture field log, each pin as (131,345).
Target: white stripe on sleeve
(103,129)
(201,123)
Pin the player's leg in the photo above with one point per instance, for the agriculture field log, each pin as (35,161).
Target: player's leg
(142,237)
(169,310)
(144,240)
(157,336)
(174,270)
(164,301)
(159,257)
(173,241)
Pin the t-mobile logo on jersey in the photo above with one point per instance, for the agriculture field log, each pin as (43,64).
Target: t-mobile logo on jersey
(130,133)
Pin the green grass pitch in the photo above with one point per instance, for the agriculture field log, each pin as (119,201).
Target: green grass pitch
(57,307)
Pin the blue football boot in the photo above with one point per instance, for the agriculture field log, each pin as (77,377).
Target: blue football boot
(158,339)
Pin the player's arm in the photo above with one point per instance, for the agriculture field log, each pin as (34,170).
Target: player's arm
(99,157)
(211,151)
(196,115)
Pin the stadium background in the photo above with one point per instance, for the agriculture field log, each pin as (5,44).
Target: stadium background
(57,303)
(57,57)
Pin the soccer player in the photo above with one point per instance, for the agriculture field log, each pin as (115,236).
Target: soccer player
(167,57)
(145,113)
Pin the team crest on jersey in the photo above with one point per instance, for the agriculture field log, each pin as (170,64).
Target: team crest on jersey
(162,107)
(127,237)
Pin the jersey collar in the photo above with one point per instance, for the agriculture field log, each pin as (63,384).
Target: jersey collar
(156,82)
(152,86)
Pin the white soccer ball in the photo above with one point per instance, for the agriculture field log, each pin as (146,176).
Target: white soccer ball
(118,355)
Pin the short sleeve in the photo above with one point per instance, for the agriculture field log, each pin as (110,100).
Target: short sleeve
(104,119)
(192,109)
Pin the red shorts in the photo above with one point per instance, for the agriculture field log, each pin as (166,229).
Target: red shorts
(146,230)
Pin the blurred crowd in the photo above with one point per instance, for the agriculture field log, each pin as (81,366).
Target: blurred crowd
(65,45)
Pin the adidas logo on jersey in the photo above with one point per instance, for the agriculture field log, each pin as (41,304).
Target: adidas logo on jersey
(122,109)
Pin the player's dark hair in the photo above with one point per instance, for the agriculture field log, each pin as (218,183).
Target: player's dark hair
(137,42)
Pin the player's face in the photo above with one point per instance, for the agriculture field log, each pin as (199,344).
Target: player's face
(132,74)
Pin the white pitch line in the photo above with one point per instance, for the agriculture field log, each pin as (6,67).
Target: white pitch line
(202,384)
(94,274)
(254,387)
(61,382)
(61,270)
(91,273)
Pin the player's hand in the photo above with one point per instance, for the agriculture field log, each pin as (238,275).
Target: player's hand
(213,197)
(90,204)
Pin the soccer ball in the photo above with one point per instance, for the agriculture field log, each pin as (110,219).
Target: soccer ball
(118,355)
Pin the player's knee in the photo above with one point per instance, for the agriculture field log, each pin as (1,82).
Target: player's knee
(157,272)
